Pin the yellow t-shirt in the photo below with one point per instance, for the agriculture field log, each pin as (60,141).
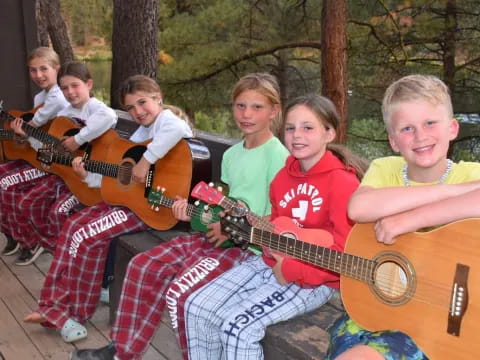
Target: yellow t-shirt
(387,171)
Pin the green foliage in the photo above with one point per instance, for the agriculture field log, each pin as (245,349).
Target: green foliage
(368,138)
(220,122)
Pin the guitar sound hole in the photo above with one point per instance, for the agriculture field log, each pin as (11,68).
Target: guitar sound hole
(392,283)
(125,173)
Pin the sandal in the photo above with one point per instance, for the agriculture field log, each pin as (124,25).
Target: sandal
(73,331)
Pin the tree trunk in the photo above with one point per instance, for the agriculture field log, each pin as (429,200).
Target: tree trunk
(449,47)
(334,60)
(42,32)
(134,42)
(50,10)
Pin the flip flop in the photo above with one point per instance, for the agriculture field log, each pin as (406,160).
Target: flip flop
(73,331)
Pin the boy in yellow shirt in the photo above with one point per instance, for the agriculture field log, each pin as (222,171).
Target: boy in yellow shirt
(421,188)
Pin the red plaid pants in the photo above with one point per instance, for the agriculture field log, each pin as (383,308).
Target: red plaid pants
(42,212)
(16,178)
(165,276)
(72,285)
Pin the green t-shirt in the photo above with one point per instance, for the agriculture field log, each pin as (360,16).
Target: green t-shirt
(249,172)
(387,171)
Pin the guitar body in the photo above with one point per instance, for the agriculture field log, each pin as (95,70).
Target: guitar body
(173,172)
(62,127)
(17,148)
(204,217)
(418,273)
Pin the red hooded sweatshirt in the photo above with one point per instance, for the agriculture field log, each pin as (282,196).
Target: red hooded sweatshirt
(315,199)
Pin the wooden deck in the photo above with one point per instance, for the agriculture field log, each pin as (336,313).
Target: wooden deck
(19,288)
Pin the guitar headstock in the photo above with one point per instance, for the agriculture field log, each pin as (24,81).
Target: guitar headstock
(208,194)
(238,228)
(155,197)
(45,155)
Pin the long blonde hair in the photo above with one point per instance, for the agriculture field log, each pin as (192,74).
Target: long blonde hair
(266,85)
(327,114)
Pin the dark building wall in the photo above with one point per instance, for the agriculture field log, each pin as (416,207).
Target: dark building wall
(17,38)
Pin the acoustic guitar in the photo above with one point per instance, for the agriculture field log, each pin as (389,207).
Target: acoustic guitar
(186,160)
(422,285)
(201,214)
(17,147)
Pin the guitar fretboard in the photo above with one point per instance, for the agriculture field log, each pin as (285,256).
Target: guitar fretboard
(256,220)
(168,203)
(7,134)
(32,131)
(100,167)
(349,265)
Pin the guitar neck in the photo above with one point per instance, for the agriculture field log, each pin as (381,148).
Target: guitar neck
(32,131)
(168,203)
(345,264)
(256,220)
(99,167)
(7,135)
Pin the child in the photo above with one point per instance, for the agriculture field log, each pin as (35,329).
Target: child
(155,277)
(43,209)
(72,286)
(418,115)
(227,317)
(43,65)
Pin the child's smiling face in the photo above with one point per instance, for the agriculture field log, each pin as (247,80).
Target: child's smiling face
(421,132)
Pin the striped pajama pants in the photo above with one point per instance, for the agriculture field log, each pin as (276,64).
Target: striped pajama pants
(227,318)
(165,276)
(72,285)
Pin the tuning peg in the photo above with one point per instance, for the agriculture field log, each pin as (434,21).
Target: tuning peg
(163,190)
(210,184)
(234,232)
(157,208)
(205,208)
(158,188)
(197,203)
(228,229)
(219,188)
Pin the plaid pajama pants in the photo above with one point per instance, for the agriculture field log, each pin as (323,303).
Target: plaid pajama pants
(72,285)
(227,318)
(165,276)
(42,212)
(16,178)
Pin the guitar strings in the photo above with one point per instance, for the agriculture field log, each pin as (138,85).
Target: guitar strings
(440,297)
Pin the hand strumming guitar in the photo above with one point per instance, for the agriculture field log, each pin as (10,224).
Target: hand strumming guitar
(140,170)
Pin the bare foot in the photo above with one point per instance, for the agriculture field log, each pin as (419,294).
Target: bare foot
(34,317)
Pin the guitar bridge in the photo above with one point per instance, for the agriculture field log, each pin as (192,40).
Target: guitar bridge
(459,300)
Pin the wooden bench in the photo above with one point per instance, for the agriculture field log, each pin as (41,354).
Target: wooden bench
(304,337)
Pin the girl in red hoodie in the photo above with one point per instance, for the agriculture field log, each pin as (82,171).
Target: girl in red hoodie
(227,318)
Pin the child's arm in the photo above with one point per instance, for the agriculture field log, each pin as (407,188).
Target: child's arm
(437,213)
(97,123)
(369,204)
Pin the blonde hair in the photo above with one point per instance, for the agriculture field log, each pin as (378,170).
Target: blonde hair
(266,85)
(328,116)
(143,83)
(45,53)
(428,88)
